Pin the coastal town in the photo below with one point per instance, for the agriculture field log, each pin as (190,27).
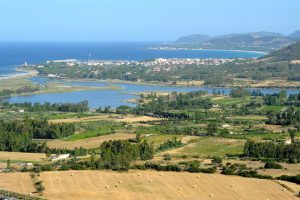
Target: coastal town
(153,65)
(151,62)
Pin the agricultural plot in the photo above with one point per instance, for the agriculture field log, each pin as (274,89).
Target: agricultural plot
(21,157)
(209,147)
(89,142)
(231,101)
(92,185)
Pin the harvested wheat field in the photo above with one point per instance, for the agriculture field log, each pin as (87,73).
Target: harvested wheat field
(16,182)
(147,185)
(18,156)
(133,119)
(89,142)
(111,117)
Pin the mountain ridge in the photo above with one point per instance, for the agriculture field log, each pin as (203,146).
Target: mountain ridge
(262,41)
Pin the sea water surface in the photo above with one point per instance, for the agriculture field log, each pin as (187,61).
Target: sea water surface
(16,53)
(13,54)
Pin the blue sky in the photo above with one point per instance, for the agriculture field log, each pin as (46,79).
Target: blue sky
(141,20)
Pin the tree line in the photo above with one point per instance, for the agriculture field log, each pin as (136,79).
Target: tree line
(18,135)
(278,151)
(21,90)
(82,106)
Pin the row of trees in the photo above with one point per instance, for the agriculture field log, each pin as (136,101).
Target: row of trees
(170,144)
(60,107)
(278,151)
(21,90)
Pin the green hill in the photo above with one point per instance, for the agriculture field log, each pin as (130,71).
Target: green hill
(291,52)
(258,41)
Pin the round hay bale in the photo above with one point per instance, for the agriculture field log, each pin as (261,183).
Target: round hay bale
(160,174)
(232,185)
(211,195)
(195,186)
(120,181)
(283,189)
(150,181)
(198,176)
(180,188)
(107,187)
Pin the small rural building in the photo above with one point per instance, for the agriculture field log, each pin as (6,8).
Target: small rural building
(60,157)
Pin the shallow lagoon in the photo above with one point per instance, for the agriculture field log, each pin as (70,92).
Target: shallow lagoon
(114,98)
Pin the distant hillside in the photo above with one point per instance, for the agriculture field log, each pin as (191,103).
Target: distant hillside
(195,38)
(291,52)
(259,41)
(295,35)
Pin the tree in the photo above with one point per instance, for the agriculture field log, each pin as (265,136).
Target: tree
(212,128)
(39,186)
(146,150)
(224,132)
(8,164)
(292,135)
(138,137)
(217,160)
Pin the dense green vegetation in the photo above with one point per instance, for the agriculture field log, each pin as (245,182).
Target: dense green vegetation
(278,151)
(170,144)
(60,107)
(115,155)
(162,105)
(19,135)
(242,170)
(291,52)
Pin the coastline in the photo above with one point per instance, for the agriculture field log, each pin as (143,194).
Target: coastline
(201,49)
(24,74)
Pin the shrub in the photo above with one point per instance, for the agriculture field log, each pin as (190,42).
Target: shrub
(272,165)
(167,157)
(293,179)
(217,160)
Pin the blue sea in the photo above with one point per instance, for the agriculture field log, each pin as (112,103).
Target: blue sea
(16,53)
(13,54)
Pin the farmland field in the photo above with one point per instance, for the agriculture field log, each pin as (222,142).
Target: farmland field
(208,147)
(112,117)
(89,142)
(21,157)
(90,185)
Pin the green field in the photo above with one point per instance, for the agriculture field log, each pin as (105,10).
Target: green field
(156,140)
(95,129)
(14,83)
(209,147)
(272,108)
(231,101)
